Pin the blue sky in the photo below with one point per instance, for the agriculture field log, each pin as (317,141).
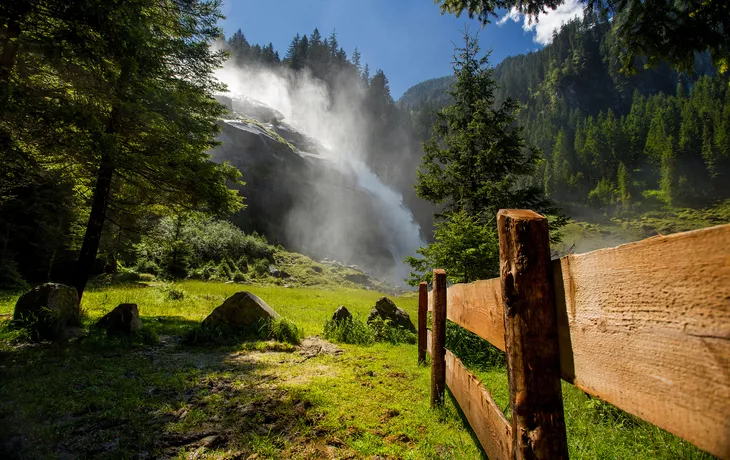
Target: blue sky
(409,39)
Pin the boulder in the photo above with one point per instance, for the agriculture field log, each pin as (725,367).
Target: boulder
(240,311)
(48,309)
(123,320)
(387,310)
(341,314)
(276,273)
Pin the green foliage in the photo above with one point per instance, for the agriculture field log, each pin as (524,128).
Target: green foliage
(282,330)
(202,248)
(588,119)
(644,28)
(285,331)
(348,330)
(465,246)
(603,195)
(172,291)
(386,331)
(355,331)
(473,351)
(44,325)
(475,163)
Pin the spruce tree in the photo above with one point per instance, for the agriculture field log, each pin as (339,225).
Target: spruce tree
(476,163)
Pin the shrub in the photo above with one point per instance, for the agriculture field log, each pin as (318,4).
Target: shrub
(173,292)
(261,267)
(285,331)
(239,277)
(281,330)
(350,330)
(10,277)
(472,349)
(127,276)
(386,331)
(147,266)
(146,277)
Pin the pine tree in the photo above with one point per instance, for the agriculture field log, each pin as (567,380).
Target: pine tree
(355,60)
(624,184)
(476,157)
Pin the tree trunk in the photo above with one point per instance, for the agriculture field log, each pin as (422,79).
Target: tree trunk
(92,237)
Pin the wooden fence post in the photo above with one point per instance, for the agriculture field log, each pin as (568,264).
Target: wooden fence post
(422,314)
(531,336)
(438,339)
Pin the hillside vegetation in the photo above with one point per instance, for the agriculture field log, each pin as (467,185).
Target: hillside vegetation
(616,143)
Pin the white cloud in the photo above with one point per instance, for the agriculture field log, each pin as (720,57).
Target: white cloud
(546,22)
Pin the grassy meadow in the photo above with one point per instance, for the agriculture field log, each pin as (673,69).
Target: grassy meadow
(159,398)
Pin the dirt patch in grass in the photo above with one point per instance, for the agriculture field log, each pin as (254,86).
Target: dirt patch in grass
(316,346)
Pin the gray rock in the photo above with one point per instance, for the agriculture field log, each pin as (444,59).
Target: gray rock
(48,309)
(240,311)
(387,310)
(276,273)
(123,320)
(341,314)
(359,278)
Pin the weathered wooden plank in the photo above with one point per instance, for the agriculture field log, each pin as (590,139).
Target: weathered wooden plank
(646,327)
(429,341)
(478,308)
(489,424)
(531,335)
(422,312)
(438,360)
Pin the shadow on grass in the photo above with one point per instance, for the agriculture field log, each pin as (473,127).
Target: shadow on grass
(110,398)
(465,422)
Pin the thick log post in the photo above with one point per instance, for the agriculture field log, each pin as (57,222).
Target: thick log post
(422,313)
(438,351)
(531,336)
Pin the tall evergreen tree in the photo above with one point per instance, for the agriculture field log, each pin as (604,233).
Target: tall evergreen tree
(476,159)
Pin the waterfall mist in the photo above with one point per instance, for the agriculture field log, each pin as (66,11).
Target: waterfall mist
(321,224)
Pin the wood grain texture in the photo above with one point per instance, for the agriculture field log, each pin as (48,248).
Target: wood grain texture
(531,336)
(438,344)
(646,327)
(422,312)
(429,341)
(489,424)
(478,308)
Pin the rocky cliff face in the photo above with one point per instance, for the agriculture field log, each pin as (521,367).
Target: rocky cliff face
(297,195)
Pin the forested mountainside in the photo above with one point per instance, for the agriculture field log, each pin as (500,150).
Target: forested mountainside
(609,140)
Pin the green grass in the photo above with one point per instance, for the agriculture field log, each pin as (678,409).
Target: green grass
(98,398)
(586,234)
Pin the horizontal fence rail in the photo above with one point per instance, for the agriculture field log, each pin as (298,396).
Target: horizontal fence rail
(644,326)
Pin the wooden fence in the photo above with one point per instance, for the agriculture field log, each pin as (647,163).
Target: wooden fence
(644,326)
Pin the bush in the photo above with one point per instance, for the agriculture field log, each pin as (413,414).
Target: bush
(285,331)
(126,276)
(386,331)
(473,351)
(350,330)
(10,277)
(281,330)
(261,267)
(146,277)
(239,277)
(173,292)
(147,266)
